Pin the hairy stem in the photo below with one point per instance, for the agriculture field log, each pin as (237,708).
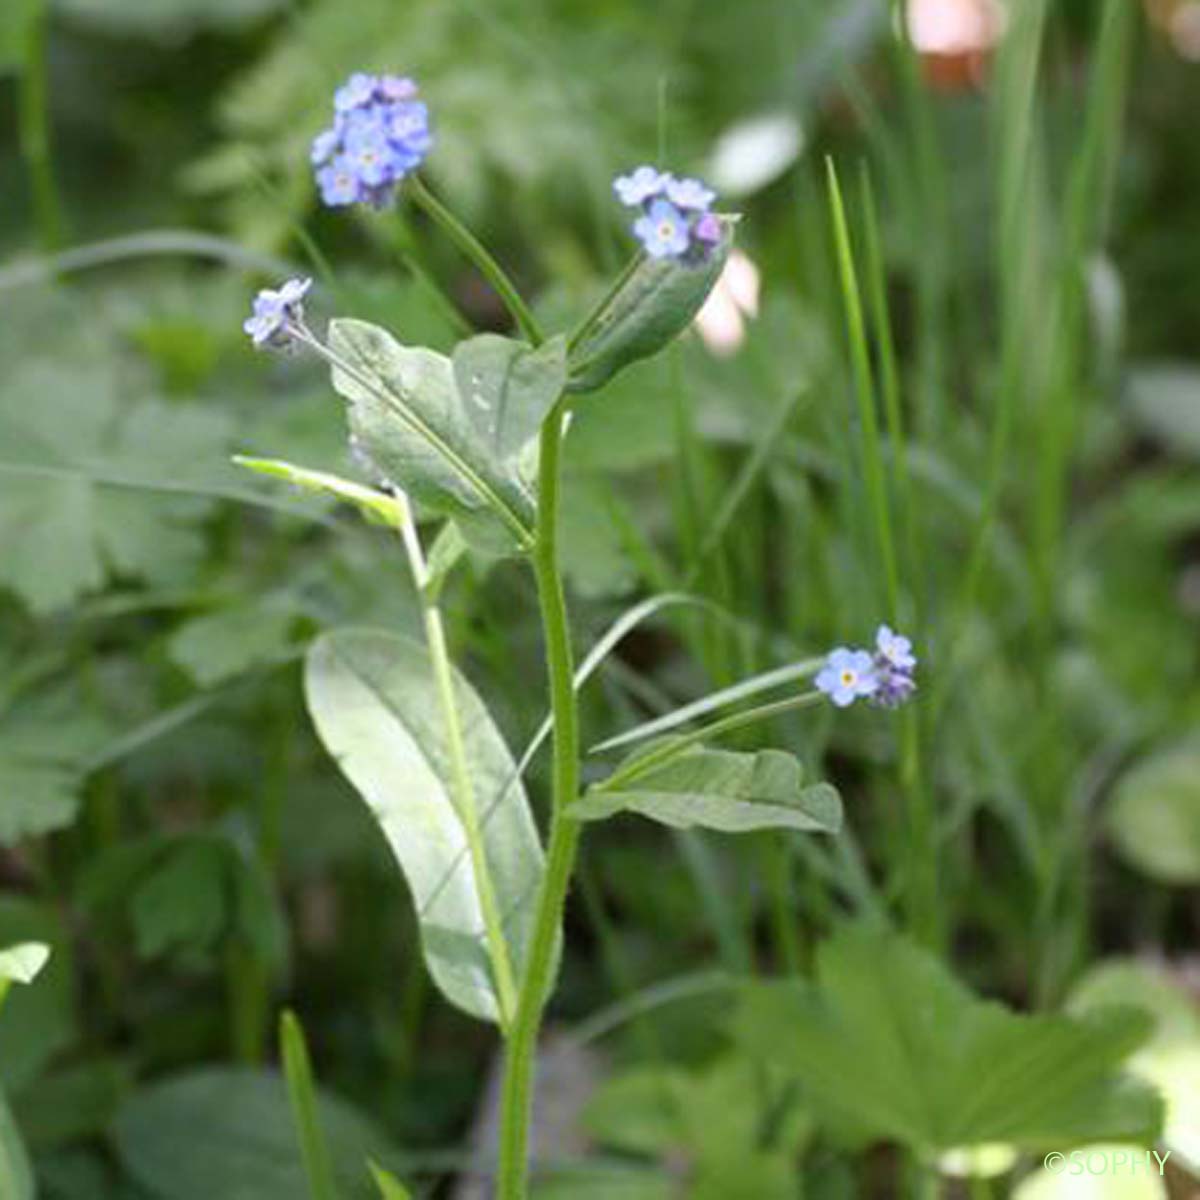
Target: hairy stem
(564,831)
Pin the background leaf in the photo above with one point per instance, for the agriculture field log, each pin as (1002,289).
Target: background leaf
(228,1132)
(16,1177)
(94,487)
(889,1044)
(1154,815)
(374,701)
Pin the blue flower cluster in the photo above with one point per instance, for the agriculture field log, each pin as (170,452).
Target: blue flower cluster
(380,133)
(676,219)
(885,676)
(274,311)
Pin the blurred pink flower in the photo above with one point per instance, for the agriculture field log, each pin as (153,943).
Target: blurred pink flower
(721,322)
(954,27)
(1184,29)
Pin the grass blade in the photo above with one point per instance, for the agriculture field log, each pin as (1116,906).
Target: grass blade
(302,1093)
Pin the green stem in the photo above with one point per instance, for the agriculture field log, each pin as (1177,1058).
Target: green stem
(5,985)
(34,119)
(460,772)
(564,831)
(475,250)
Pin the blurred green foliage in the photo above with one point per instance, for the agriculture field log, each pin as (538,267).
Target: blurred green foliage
(168,823)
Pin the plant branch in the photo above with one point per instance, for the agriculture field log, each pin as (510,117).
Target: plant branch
(475,250)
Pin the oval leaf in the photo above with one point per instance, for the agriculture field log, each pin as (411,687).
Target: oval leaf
(410,420)
(650,309)
(373,698)
(228,1132)
(723,790)
(508,387)
(1154,816)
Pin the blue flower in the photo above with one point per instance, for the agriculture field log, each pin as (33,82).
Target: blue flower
(847,675)
(894,666)
(894,649)
(274,311)
(663,230)
(689,194)
(380,133)
(357,92)
(323,147)
(707,230)
(397,87)
(639,186)
(675,221)
(339,182)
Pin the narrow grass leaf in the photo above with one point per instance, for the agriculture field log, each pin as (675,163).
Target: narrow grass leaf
(302,1095)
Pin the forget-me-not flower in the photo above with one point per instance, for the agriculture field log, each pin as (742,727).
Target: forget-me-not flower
(689,194)
(639,186)
(894,648)
(675,220)
(847,675)
(380,133)
(274,311)
(662,230)
(895,664)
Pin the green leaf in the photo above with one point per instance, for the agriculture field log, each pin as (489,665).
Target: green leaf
(72,1103)
(1154,815)
(375,704)
(182,902)
(444,555)
(888,1044)
(36,1022)
(23,963)
(228,1132)
(168,19)
(390,1188)
(302,1095)
(652,306)
(723,790)
(378,507)
(671,1114)
(219,645)
(46,739)
(16,1175)
(94,487)
(509,388)
(1170,1061)
(411,421)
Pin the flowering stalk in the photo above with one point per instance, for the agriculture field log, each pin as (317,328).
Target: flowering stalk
(563,845)
(475,250)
